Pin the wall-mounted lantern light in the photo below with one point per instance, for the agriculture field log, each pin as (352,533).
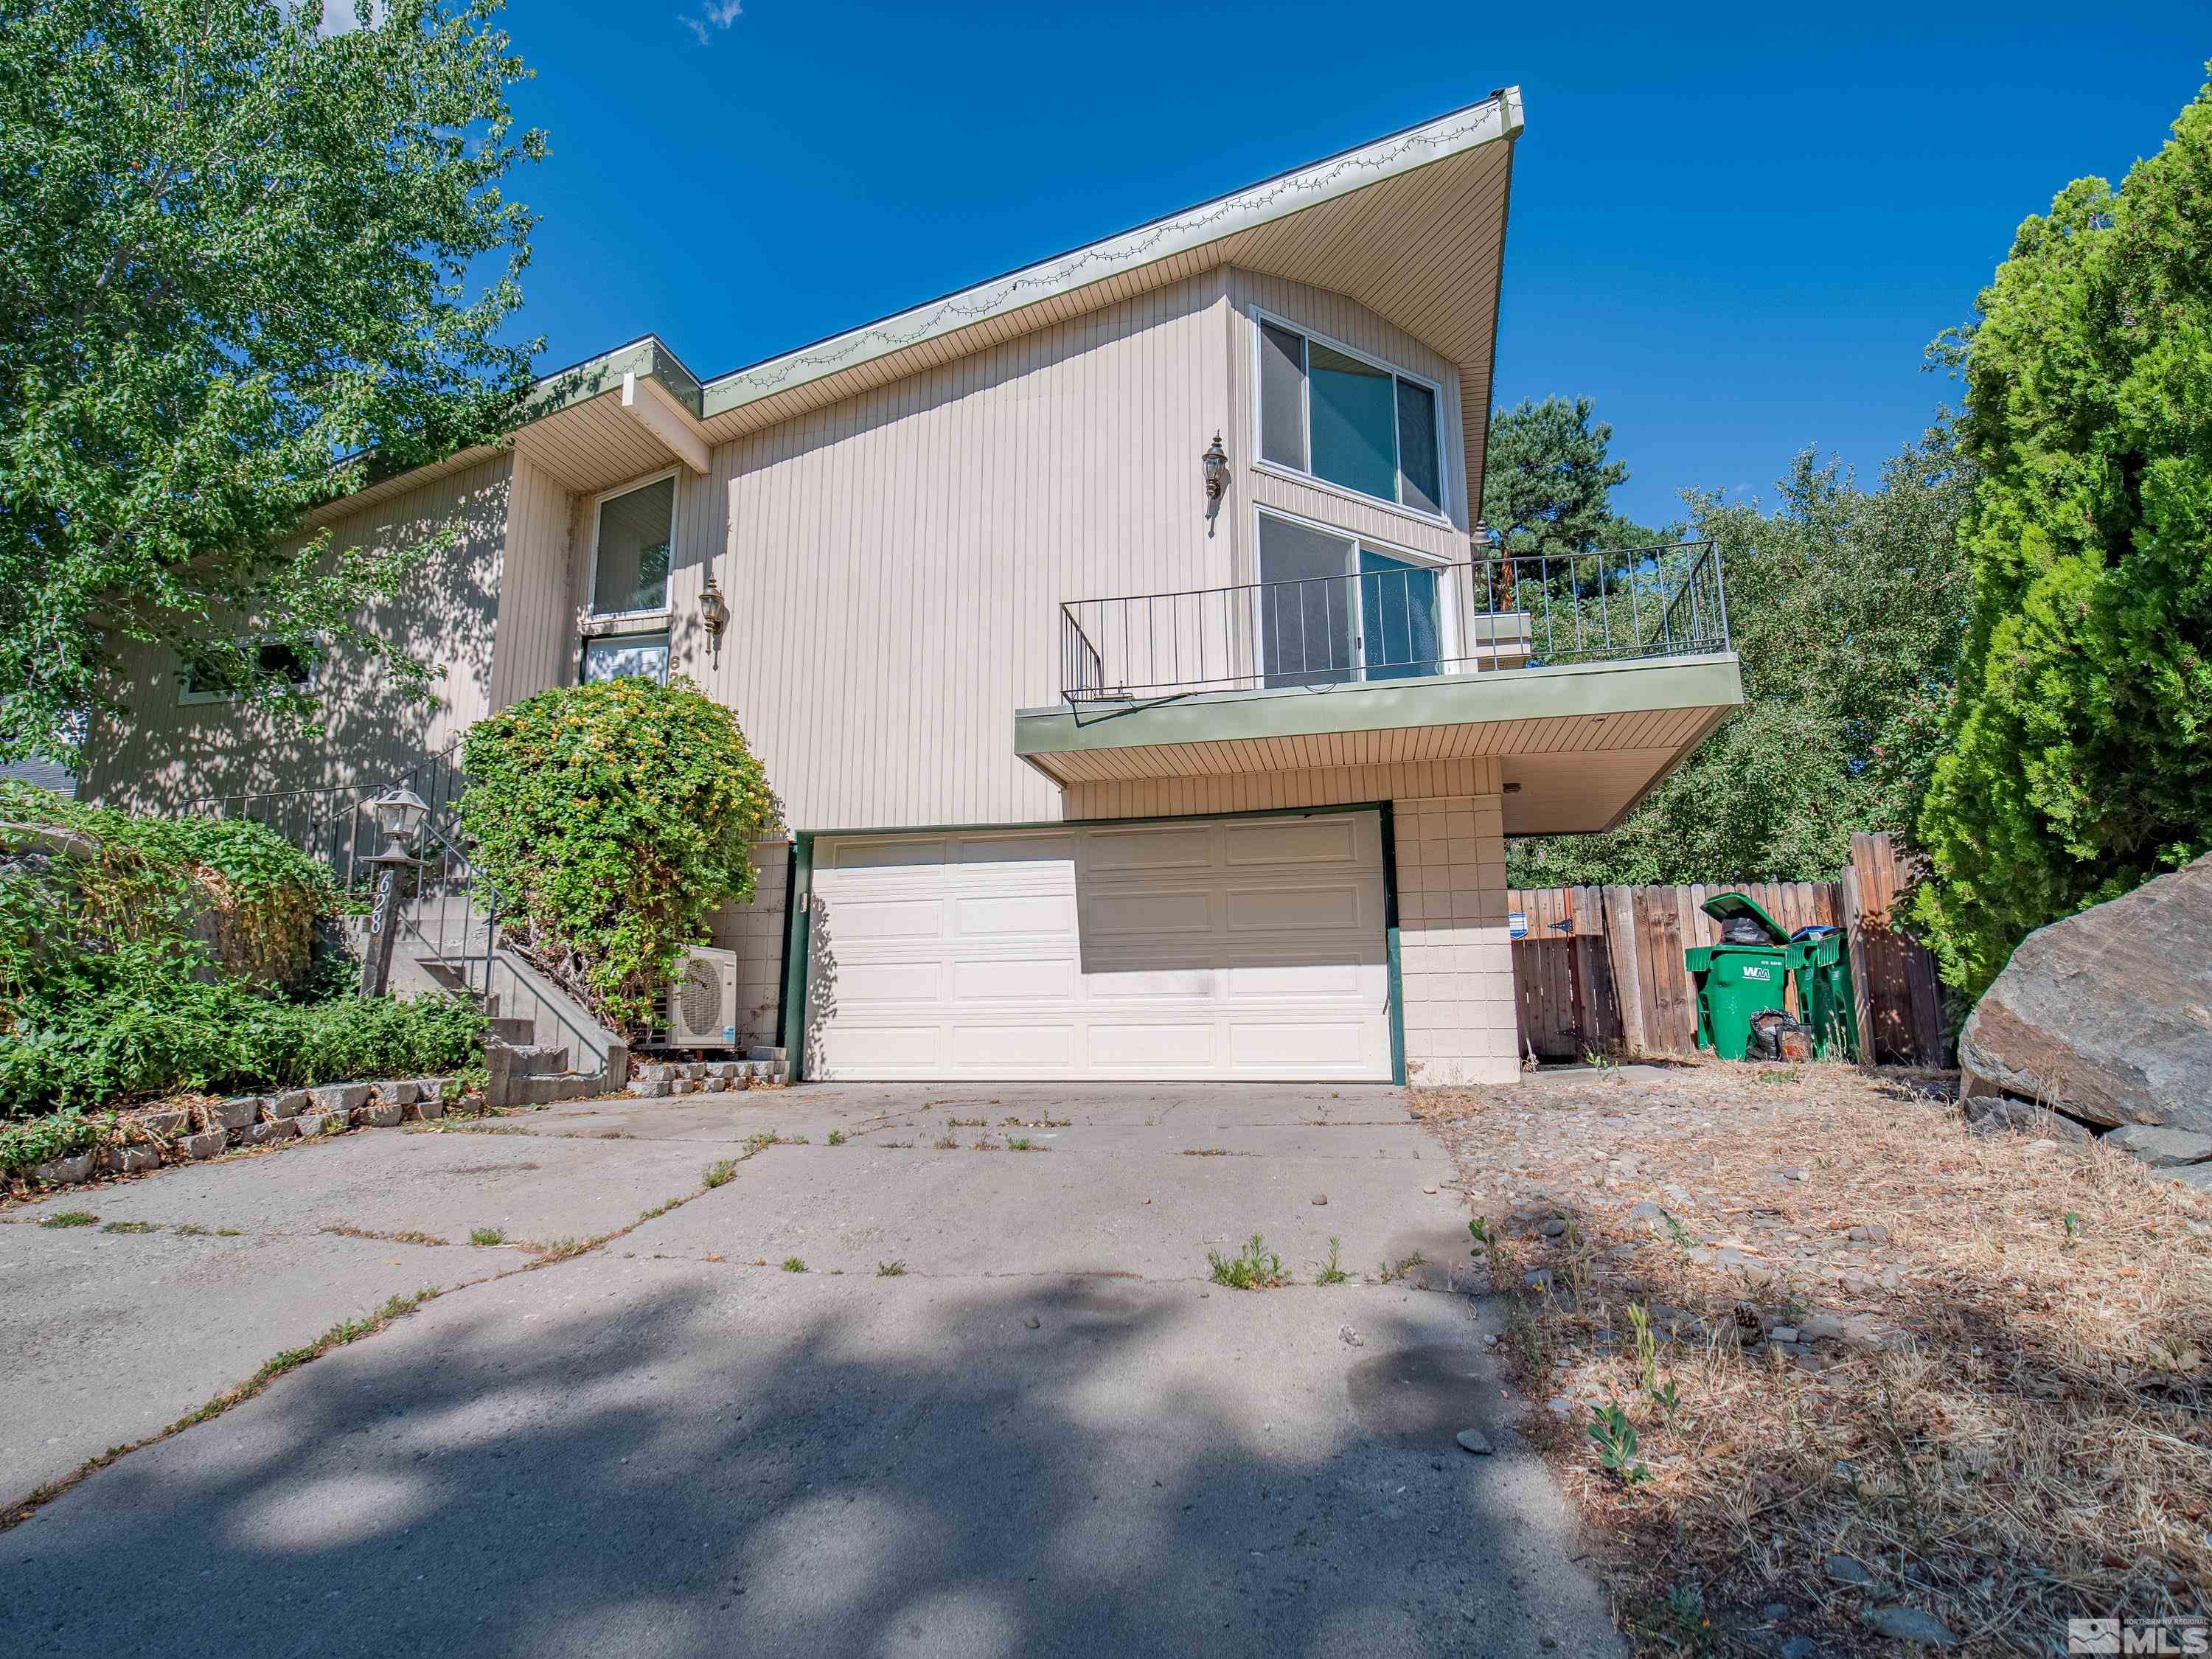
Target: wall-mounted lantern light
(1216,460)
(714,612)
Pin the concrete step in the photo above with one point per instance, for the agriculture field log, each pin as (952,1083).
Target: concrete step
(511,1030)
(532,1059)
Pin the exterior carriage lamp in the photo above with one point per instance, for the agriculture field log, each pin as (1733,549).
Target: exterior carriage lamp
(1216,460)
(714,611)
(398,816)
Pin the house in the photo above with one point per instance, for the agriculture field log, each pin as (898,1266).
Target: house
(1115,632)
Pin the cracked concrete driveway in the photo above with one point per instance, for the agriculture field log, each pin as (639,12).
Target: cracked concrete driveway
(1049,1433)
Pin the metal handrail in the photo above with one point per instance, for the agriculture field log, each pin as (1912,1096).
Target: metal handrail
(1409,620)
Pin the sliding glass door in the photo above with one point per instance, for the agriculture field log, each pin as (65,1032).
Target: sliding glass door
(1331,612)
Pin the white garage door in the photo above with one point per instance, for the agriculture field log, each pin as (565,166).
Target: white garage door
(1233,948)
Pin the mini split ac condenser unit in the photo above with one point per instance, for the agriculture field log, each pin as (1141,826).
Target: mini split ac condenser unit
(700,1009)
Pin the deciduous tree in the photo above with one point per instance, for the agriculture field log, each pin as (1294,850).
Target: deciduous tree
(237,244)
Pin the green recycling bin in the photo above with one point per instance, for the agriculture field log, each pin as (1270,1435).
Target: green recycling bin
(1734,981)
(1820,963)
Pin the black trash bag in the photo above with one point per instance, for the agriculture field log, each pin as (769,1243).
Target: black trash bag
(1743,929)
(1775,1035)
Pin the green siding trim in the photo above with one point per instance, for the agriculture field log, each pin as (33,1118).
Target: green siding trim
(1519,694)
(1396,986)
(791,1019)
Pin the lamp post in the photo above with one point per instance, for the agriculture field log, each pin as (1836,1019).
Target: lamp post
(398,816)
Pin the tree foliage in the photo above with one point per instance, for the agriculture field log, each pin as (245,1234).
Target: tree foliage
(1547,481)
(615,818)
(1847,606)
(2081,744)
(236,245)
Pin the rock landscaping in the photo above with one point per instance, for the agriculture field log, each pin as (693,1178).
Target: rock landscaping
(1898,1382)
(2098,1027)
(660,1080)
(185,1131)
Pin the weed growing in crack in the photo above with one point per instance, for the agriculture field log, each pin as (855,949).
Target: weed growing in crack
(70,1218)
(129,1227)
(945,1143)
(1254,1267)
(836,1137)
(792,1264)
(1331,1272)
(488,1236)
(890,1269)
(719,1172)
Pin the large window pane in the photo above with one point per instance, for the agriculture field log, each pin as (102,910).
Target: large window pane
(1417,446)
(626,656)
(1354,409)
(1282,397)
(631,572)
(1398,633)
(1305,604)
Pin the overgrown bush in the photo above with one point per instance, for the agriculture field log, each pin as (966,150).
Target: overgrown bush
(223,1037)
(614,819)
(108,992)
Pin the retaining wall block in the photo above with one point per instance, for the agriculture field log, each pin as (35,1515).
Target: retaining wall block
(338,1097)
(235,1113)
(67,1172)
(379,1114)
(205,1143)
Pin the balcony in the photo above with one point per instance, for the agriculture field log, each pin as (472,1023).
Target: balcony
(1585,676)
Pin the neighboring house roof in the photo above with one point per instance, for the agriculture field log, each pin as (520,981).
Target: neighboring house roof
(1411,225)
(44,774)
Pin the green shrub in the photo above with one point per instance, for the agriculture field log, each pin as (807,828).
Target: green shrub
(614,819)
(58,1134)
(190,1035)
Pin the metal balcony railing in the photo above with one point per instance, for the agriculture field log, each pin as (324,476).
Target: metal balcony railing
(1394,620)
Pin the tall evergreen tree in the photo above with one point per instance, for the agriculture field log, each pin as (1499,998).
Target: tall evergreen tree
(2082,759)
(236,245)
(1548,482)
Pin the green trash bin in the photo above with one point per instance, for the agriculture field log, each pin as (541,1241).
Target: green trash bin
(1734,981)
(1820,963)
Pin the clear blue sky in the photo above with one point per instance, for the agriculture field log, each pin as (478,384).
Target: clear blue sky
(1735,228)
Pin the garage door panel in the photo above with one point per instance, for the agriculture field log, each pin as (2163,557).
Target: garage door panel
(1246,948)
(1009,1048)
(1180,848)
(863,918)
(1014,979)
(1302,909)
(904,853)
(1016,913)
(861,982)
(1154,1048)
(1333,840)
(1305,1045)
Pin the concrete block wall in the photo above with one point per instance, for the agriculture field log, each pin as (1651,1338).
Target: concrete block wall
(1456,963)
(757,932)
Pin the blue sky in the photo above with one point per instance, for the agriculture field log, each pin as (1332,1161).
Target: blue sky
(1735,228)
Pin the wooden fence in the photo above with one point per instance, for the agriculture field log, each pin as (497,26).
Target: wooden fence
(1600,967)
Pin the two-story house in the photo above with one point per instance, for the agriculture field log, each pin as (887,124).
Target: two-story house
(1116,631)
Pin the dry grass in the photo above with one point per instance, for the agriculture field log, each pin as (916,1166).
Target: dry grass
(2013,1431)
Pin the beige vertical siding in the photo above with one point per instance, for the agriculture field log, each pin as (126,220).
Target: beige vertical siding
(756,932)
(1454,951)
(896,562)
(536,641)
(166,752)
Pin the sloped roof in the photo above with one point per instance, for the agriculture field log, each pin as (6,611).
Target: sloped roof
(1411,225)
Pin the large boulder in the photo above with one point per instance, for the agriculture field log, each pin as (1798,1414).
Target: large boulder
(2107,1016)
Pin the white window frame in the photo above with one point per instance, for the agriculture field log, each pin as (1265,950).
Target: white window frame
(1448,640)
(1306,475)
(664,634)
(591,575)
(188,698)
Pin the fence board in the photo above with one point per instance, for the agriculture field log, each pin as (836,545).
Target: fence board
(1614,973)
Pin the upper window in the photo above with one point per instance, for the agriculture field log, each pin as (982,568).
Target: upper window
(1348,420)
(629,558)
(210,682)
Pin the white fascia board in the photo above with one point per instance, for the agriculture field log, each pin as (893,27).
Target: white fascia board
(652,405)
(1496,118)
